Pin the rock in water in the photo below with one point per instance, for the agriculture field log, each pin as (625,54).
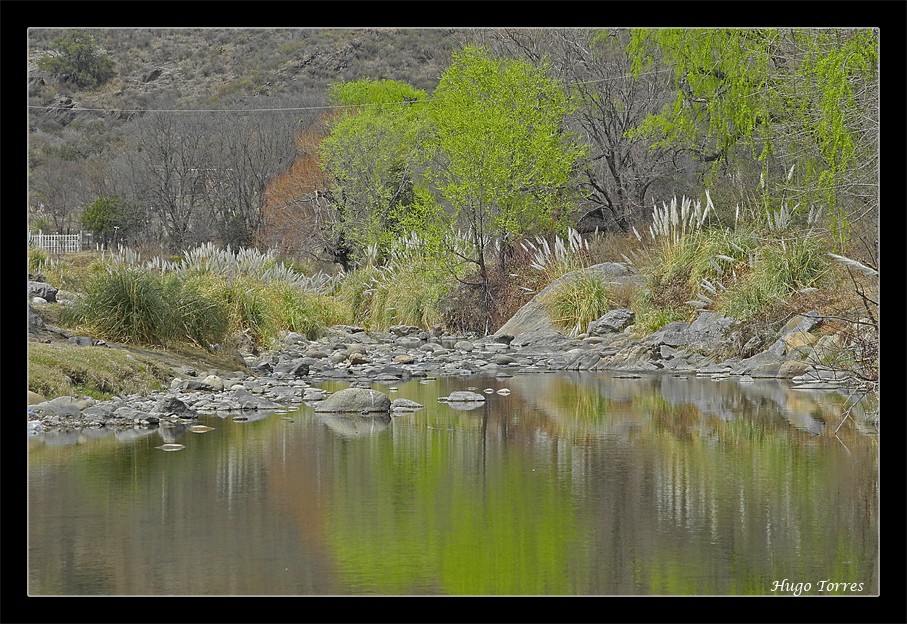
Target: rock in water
(355,400)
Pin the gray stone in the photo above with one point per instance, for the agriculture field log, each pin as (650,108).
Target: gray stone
(84,341)
(59,409)
(405,405)
(464,345)
(531,323)
(355,400)
(173,405)
(338,356)
(213,383)
(35,322)
(792,368)
(245,400)
(98,413)
(463,396)
(802,322)
(612,322)
(43,290)
(673,334)
(313,394)
(827,349)
(403,330)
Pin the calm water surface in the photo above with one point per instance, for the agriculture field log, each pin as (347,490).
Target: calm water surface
(574,484)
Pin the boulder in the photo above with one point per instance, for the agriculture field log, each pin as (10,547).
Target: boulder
(674,334)
(355,400)
(213,383)
(172,405)
(531,323)
(465,396)
(245,400)
(43,290)
(405,405)
(611,322)
(293,368)
(802,322)
(464,345)
(792,368)
(35,322)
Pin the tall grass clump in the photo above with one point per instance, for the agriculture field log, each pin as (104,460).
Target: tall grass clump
(554,260)
(302,311)
(779,269)
(125,305)
(407,287)
(578,301)
(38,260)
(130,304)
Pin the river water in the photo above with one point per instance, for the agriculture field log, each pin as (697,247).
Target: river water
(571,484)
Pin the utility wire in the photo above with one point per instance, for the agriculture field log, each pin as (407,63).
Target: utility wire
(293,108)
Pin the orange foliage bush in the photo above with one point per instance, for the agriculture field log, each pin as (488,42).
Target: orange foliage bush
(295,211)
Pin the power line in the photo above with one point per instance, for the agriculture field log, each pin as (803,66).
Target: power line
(292,108)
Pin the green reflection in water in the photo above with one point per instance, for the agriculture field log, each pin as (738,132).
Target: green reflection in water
(422,511)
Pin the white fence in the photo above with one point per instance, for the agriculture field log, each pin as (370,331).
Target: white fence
(57,243)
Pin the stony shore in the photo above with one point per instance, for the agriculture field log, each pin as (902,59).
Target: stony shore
(281,379)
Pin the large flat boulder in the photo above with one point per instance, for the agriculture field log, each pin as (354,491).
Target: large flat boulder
(531,323)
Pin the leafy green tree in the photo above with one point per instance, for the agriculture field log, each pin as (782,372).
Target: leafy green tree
(799,105)
(500,157)
(77,57)
(371,155)
(111,219)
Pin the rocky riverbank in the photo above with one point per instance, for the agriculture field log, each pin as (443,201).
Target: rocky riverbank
(289,375)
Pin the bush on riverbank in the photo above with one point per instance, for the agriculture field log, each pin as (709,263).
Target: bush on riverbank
(583,298)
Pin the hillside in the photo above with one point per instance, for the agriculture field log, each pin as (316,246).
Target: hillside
(219,68)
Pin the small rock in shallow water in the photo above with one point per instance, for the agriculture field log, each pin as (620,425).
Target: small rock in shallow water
(171,447)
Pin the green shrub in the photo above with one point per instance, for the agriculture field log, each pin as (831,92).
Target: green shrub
(779,269)
(304,312)
(578,301)
(78,57)
(199,317)
(38,260)
(133,305)
(650,316)
(125,305)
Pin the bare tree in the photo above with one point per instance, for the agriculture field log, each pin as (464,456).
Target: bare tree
(243,157)
(168,170)
(622,172)
(58,192)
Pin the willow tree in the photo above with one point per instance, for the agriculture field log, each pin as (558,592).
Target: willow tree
(800,106)
(499,157)
(371,156)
